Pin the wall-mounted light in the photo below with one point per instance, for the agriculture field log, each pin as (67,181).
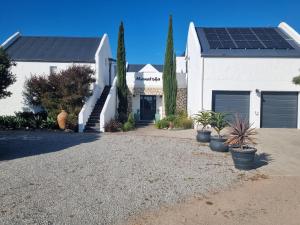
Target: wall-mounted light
(257,91)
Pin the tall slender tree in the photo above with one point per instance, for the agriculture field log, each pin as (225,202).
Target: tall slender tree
(121,74)
(169,74)
(7,78)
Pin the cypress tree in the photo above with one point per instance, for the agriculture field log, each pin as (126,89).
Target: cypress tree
(169,74)
(121,76)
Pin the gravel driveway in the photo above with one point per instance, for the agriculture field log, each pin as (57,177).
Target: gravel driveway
(60,178)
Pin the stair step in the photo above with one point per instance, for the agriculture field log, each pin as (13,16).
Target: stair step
(92,130)
(93,123)
(91,120)
(97,111)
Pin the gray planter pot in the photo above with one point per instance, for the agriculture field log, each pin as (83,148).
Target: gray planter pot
(243,159)
(218,144)
(203,135)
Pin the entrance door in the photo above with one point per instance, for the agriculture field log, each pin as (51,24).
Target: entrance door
(148,107)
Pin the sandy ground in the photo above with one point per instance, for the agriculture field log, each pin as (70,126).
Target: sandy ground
(272,197)
(271,201)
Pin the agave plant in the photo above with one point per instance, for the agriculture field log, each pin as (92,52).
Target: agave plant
(203,118)
(219,122)
(241,134)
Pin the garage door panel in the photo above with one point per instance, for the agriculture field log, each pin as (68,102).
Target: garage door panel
(232,102)
(279,109)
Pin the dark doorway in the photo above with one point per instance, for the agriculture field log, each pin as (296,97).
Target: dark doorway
(148,107)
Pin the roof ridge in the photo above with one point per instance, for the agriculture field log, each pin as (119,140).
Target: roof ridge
(237,27)
(56,36)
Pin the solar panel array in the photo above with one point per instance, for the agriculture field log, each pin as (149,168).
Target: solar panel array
(245,38)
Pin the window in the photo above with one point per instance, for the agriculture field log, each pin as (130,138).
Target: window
(53,69)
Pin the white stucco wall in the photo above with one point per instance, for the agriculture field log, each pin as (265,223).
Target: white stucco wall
(24,70)
(237,74)
(194,72)
(153,78)
(110,107)
(249,74)
(102,79)
(102,61)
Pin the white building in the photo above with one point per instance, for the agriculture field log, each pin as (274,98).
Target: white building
(247,71)
(145,84)
(42,55)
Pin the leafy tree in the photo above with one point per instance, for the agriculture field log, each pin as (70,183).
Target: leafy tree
(66,90)
(121,76)
(169,74)
(7,78)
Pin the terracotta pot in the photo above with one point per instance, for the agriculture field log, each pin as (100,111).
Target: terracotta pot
(62,119)
(171,125)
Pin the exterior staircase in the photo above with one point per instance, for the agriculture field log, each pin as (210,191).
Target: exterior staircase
(93,124)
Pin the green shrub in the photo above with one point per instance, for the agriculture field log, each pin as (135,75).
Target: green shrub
(67,90)
(24,120)
(128,126)
(162,124)
(187,123)
(49,123)
(180,120)
(131,119)
(170,118)
(8,122)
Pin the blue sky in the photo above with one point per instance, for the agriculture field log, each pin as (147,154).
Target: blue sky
(146,22)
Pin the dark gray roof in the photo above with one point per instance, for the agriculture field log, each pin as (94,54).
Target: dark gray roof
(206,51)
(54,49)
(138,67)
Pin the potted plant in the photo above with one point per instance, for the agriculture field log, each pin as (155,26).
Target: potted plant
(242,142)
(203,118)
(218,123)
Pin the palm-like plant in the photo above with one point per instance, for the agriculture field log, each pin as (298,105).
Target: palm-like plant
(218,122)
(241,133)
(203,118)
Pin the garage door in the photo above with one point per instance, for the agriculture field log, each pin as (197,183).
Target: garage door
(232,102)
(279,109)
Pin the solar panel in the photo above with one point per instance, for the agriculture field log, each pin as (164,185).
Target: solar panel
(242,44)
(215,44)
(227,44)
(245,38)
(255,45)
(271,38)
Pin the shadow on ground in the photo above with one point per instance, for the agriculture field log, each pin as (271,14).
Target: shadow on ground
(262,159)
(20,144)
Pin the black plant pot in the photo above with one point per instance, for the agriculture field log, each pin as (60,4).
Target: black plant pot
(243,159)
(218,144)
(203,135)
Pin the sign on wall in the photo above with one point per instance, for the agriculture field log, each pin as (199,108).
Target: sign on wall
(154,79)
